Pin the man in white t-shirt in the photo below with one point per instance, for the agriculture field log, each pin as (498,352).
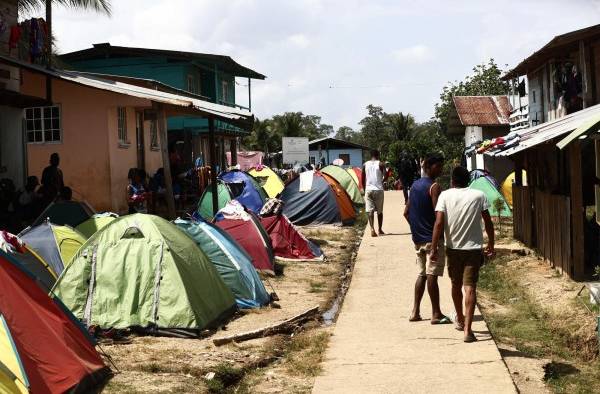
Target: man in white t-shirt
(458,214)
(373,176)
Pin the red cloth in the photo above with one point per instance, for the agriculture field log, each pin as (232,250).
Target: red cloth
(287,242)
(246,233)
(55,352)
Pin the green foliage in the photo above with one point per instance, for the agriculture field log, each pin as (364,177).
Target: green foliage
(484,81)
(30,6)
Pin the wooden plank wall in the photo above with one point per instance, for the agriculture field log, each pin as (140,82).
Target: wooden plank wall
(553,230)
(522,215)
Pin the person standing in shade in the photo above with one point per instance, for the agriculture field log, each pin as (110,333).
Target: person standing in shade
(458,215)
(52,179)
(420,213)
(373,177)
(406,172)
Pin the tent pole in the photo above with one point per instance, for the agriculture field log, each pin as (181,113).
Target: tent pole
(213,166)
(161,119)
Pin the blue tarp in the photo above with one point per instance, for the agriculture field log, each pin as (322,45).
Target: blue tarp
(244,189)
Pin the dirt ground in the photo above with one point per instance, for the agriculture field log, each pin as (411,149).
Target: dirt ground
(171,365)
(568,336)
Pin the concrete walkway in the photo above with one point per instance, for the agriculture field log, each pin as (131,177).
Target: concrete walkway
(374,348)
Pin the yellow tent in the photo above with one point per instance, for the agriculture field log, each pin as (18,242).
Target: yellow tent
(270,182)
(353,175)
(506,187)
(12,376)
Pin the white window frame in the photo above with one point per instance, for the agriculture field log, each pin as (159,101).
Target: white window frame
(122,126)
(42,124)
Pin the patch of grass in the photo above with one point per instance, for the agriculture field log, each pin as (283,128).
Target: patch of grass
(226,375)
(304,353)
(361,221)
(118,387)
(153,367)
(317,286)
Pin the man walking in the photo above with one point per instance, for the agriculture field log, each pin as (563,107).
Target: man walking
(373,177)
(458,214)
(420,213)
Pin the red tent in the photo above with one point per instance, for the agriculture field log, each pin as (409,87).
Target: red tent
(253,238)
(287,241)
(54,352)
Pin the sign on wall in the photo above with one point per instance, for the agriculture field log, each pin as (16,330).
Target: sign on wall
(295,150)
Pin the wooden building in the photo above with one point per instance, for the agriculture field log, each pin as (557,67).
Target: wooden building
(557,212)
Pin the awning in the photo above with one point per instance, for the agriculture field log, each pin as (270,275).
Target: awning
(548,131)
(591,125)
(202,108)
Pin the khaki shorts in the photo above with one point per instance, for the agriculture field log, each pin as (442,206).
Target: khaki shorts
(464,265)
(374,201)
(424,263)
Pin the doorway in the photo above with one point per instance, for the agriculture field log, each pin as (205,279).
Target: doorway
(139,136)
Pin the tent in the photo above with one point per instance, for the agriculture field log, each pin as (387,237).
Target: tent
(288,243)
(507,186)
(476,174)
(230,259)
(492,194)
(142,271)
(356,174)
(326,202)
(56,245)
(36,266)
(233,185)
(268,179)
(247,231)
(95,223)
(347,182)
(43,349)
(71,213)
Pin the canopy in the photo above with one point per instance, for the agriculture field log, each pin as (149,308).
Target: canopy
(507,186)
(288,243)
(56,245)
(268,179)
(230,259)
(43,349)
(95,223)
(492,194)
(251,236)
(347,181)
(142,271)
(590,125)
(325,203)
(71,213)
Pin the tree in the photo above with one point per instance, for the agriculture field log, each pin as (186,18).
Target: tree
(102,6)
(345,133)
(484,81)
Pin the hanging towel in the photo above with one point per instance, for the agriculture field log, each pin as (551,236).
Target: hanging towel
(306,180)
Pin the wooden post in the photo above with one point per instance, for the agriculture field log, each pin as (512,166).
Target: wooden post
(577,230)
(213,167)
(161,119)
(583,71)
(233,151)
(49,50)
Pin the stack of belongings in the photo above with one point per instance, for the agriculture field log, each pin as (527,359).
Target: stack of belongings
(231,261)
(141,272)
(511,140)
(245,228)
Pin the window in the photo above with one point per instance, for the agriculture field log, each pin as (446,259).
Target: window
(122,125)
(225,91)
(153,136)
(42,124)
(191,84)
(345,157)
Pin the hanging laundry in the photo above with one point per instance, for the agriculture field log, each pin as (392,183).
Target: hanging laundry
(15,36)
(306,180)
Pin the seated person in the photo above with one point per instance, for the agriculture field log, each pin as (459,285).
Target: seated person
(137,195)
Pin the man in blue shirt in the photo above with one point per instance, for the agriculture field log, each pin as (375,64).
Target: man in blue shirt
(420,213)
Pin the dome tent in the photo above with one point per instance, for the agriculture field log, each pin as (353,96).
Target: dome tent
(71,213)
(288,243)
(95,223)
(230,259)
(56,245)
(270,181)
(325,203)
(492,194)
(356,174)
(507,187)
(53,354)
(347,181)
(144,272)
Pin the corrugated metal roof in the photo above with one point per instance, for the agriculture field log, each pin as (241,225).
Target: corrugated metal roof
(548,131)
(482,110)
(201,107)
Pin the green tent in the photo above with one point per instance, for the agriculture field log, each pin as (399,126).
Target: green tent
(205,205)
(492,194)
(95,223)
(347,182)
(142,271)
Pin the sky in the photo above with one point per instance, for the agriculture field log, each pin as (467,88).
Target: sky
(332,58)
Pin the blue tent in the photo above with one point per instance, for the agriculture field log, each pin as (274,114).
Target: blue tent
(230,260)
(244,189)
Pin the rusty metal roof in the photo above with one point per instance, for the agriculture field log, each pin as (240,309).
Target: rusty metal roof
(482,110)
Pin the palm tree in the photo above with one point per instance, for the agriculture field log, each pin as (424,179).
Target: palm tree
(102,6)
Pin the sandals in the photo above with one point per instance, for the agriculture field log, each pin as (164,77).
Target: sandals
(415,319)
(443,320)
(470,338)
